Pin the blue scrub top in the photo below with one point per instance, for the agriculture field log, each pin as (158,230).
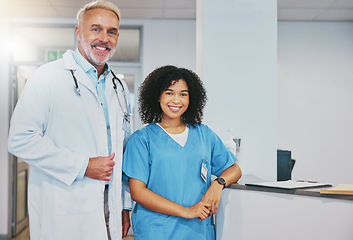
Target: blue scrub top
(174,172)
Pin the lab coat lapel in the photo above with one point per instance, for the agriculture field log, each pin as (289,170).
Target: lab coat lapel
(110,92)
(81,76)
(84,80)
(117,136)
(115,115)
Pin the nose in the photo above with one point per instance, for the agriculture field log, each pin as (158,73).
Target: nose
(176,98)
(103,36)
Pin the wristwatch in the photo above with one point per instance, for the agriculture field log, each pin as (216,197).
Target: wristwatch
(221,181)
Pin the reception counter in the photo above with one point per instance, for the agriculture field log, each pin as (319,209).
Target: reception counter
(252,213)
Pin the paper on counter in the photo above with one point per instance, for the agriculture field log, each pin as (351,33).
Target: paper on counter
(290,184)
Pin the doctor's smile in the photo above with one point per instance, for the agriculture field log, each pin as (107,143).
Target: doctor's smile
(101,47)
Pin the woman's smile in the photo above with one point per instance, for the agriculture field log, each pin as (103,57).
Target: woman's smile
(174,100)
(174,108)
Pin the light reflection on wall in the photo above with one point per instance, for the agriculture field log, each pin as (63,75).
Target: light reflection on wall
(33,43)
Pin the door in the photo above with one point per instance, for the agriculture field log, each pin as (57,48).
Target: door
(35,45)
(20,168)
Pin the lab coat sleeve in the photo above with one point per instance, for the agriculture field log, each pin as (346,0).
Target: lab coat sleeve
(82,172)
(127,201)
(27,136)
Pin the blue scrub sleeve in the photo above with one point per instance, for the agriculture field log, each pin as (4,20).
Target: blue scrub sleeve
(222,157)
(135,161)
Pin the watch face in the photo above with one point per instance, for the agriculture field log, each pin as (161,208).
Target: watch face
(221,181)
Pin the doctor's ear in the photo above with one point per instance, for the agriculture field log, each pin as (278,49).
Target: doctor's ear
(78,32)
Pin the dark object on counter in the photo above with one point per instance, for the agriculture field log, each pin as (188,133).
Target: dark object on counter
(285,165)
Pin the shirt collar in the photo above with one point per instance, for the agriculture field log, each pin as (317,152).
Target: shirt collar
(85,65)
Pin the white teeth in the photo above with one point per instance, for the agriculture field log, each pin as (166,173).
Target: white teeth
(175,108)
(100,48)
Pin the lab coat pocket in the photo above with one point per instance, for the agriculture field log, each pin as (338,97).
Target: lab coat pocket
(80,197)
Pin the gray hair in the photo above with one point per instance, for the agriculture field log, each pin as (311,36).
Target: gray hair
(98,4)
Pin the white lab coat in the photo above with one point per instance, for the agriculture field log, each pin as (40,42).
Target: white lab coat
(54,130)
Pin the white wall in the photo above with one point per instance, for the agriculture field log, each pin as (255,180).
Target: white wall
(239,67)
(315,98)
(166,42)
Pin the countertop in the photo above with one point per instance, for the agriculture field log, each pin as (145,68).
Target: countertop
(311,192)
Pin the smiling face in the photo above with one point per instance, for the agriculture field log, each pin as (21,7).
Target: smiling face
(98,35)
(174,100)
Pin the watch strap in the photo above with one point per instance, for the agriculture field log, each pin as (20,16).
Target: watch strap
(221,181)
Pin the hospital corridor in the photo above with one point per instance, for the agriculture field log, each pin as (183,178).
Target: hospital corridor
(278,76)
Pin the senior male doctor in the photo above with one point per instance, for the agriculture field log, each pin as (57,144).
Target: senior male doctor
(70,125)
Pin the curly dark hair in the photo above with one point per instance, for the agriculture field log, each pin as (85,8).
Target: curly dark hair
(158,81)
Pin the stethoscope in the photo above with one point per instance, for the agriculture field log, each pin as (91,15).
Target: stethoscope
(126,111)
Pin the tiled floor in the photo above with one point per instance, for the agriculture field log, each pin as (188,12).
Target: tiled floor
(129,238)
(25,236)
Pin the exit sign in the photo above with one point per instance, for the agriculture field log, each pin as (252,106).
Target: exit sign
(54,54)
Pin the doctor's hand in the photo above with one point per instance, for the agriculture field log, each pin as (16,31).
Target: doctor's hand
(125,215)
(100,168)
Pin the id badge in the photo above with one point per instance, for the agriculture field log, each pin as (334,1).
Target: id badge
(204,171)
